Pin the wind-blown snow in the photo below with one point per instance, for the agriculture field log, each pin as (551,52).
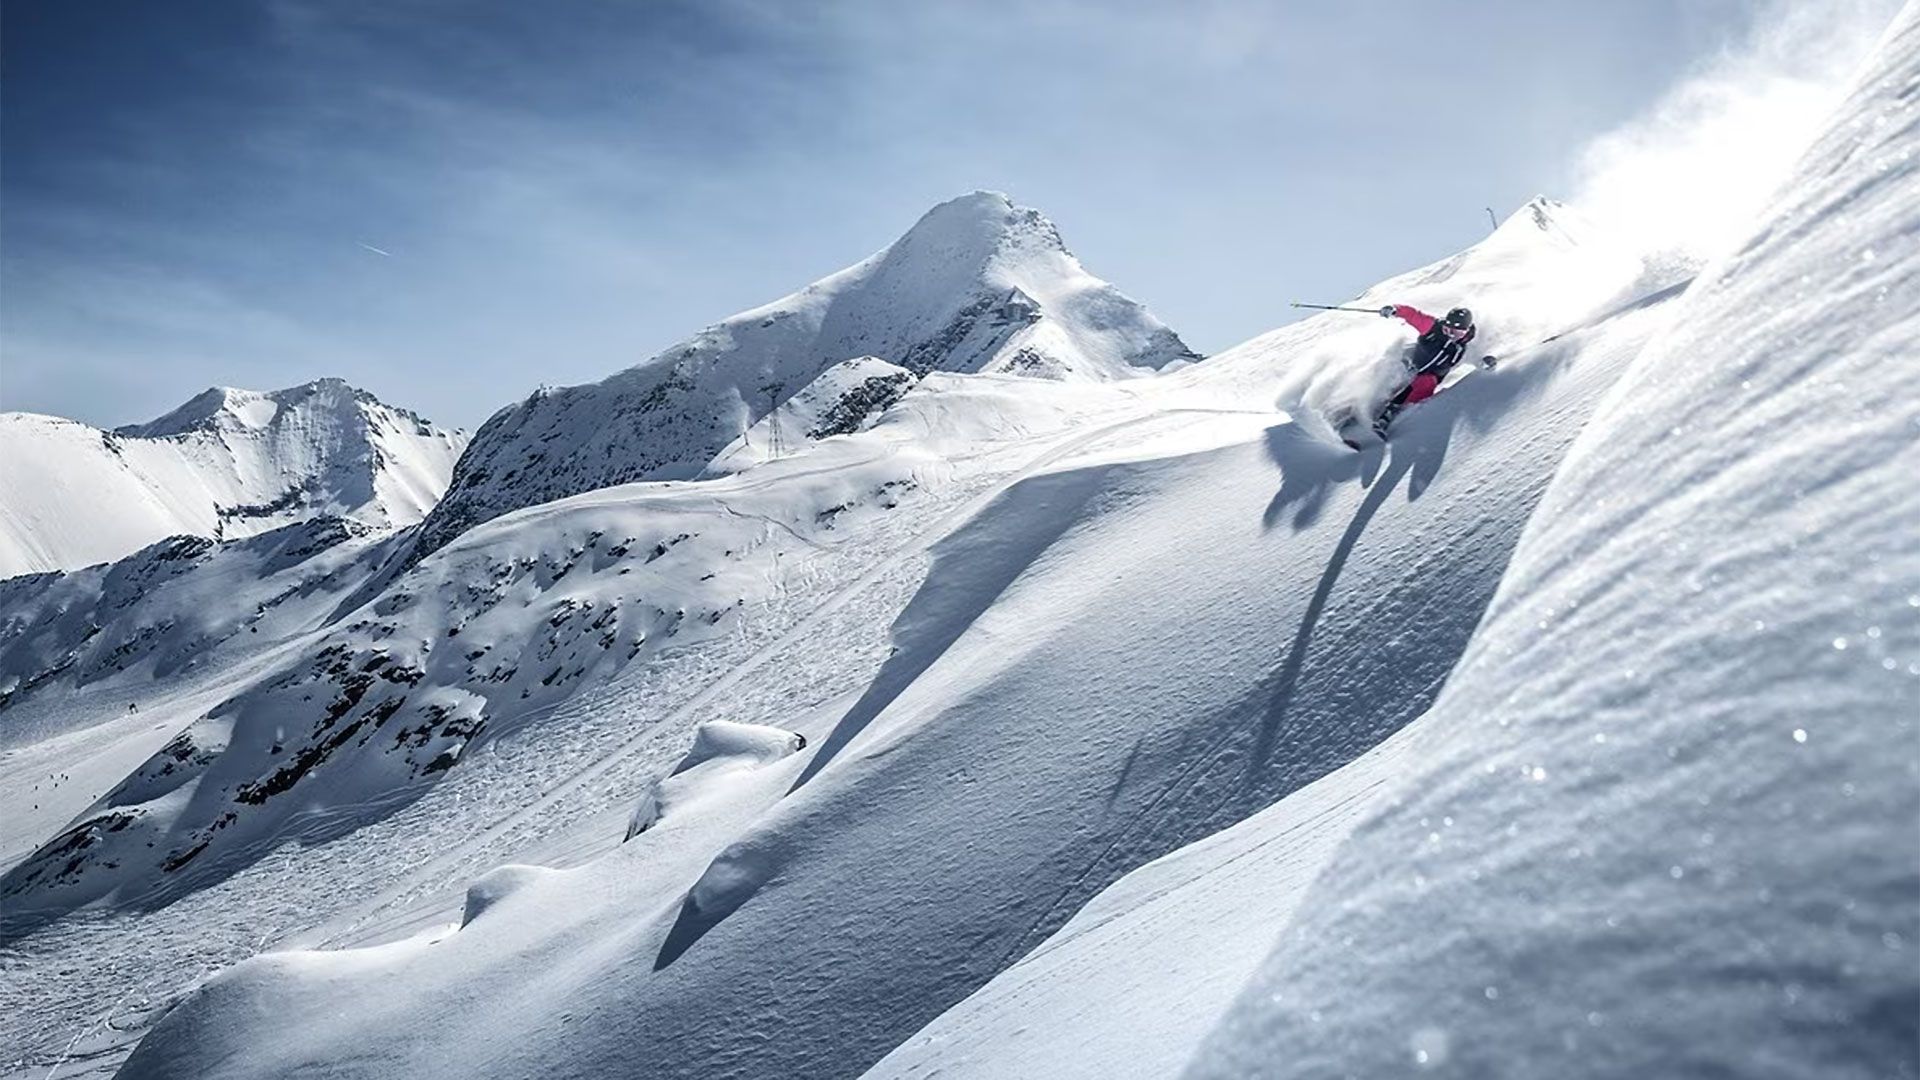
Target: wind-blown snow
(227,464)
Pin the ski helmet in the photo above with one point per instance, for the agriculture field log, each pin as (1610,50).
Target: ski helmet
(1460,318)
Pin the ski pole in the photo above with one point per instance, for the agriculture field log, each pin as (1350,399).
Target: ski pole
(1336,307)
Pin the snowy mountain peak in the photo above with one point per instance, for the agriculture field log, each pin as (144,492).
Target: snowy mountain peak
(227,463)
(206,408)
(232,407)
(1548,262)
(1543,215)
(978,284)
(980,226)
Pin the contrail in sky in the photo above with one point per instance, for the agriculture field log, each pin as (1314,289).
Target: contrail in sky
(375,250)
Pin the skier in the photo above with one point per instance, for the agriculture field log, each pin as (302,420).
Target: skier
(1441,344)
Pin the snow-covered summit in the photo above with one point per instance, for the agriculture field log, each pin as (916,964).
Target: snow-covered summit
(225,464)
(229,408)
(209,407)
(1570,263)
(979,284)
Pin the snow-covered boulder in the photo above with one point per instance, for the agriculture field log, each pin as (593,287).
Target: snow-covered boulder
(497,885)
(718,746)
(755,743)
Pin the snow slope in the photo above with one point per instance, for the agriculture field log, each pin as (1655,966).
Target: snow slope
(98,664)
(1662,819)
(841,400)
(372,701)
(831,544)
(1675,776)
(978,284)
(505,623)
(1188,607)
(229,463)
(1137,978)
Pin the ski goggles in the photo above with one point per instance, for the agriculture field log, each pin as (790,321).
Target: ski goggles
(1457,333)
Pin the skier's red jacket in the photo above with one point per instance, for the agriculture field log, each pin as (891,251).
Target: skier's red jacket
(1420,321)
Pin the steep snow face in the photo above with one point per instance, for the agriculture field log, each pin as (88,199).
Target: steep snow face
(1660,822)
(1133,983)
(167,608)
(101,667)
(1185,609)
(1663,819)
(229,463)
(978,285)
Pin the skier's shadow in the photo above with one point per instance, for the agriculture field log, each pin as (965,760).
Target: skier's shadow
(1280,700)
(1310,469)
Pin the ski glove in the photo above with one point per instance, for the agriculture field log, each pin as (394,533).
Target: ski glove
(1388,312)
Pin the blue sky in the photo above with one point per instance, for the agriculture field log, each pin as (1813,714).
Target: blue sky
(452,203)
